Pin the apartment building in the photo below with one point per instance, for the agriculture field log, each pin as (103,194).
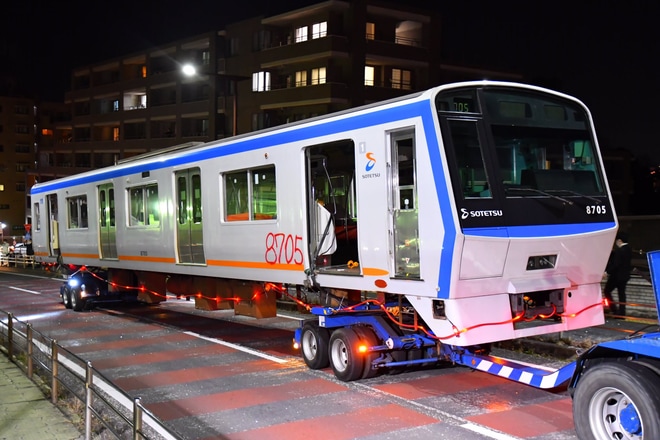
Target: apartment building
(26,125)
(253,74)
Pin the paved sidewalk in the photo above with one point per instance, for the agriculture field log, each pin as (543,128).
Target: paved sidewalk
(25,413)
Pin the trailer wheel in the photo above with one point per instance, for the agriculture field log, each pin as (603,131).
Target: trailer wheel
(617,400)
(77,302)
(314,346)
(65,293)
(345,360)
(368,337)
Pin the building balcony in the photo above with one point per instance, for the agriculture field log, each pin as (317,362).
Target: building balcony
(400,55)
(327,93)
(316,49)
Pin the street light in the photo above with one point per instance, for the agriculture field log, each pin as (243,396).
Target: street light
(2,232)
(190,70)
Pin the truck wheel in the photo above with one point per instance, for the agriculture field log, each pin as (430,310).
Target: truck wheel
(77,302)
(65,293)
(617,400)
(345,360)
(314,346)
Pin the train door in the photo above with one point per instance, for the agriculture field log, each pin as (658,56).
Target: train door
(107,227)
(332,213)
(52,225)
(403,207)
(190,243)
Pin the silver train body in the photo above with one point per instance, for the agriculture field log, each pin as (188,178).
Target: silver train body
(482,205)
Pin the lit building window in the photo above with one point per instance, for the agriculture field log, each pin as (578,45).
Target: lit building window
(371,31)
(319,30)
(260,81)
(318,76)
(368,76)
(301,34)
(301,78)
(401,79)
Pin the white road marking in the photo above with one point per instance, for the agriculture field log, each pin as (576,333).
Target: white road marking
(488,432)
(239,348)
(25,290)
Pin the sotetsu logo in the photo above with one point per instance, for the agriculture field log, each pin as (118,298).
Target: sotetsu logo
(482,213)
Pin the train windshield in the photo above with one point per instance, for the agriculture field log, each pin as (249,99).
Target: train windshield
(522,143)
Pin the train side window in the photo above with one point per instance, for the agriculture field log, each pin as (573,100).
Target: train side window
(236,196)
(136,203)
(77,207)
(264,201)
(144,206)
(152,208)
(250,195)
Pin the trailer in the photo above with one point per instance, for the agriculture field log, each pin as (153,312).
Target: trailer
(615,385)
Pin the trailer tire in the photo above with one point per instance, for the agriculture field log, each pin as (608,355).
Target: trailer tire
(65,293)
(314,346)
(368,336)
(616,399)
(345,360)
(77,301)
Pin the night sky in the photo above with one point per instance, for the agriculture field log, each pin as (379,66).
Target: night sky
(602,52)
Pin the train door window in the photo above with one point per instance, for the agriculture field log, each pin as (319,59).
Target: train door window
(469,159)
(196,186)
(37,217)
(182,200)
(111,206)
(103,209)
(77,212)
(53,224)
(107,230)
(189,233)
(404,209)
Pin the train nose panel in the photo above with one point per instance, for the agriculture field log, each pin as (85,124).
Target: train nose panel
(483,257)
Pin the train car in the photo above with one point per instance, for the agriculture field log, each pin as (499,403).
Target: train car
(480,209)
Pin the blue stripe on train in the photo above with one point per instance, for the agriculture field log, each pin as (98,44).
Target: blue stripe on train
(539,230)
(239,146)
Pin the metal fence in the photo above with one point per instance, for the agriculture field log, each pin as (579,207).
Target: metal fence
(77,388)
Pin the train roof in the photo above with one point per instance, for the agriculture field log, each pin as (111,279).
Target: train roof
(175,155)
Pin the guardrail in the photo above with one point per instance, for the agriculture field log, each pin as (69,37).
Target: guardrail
(17,259)
(74,382)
